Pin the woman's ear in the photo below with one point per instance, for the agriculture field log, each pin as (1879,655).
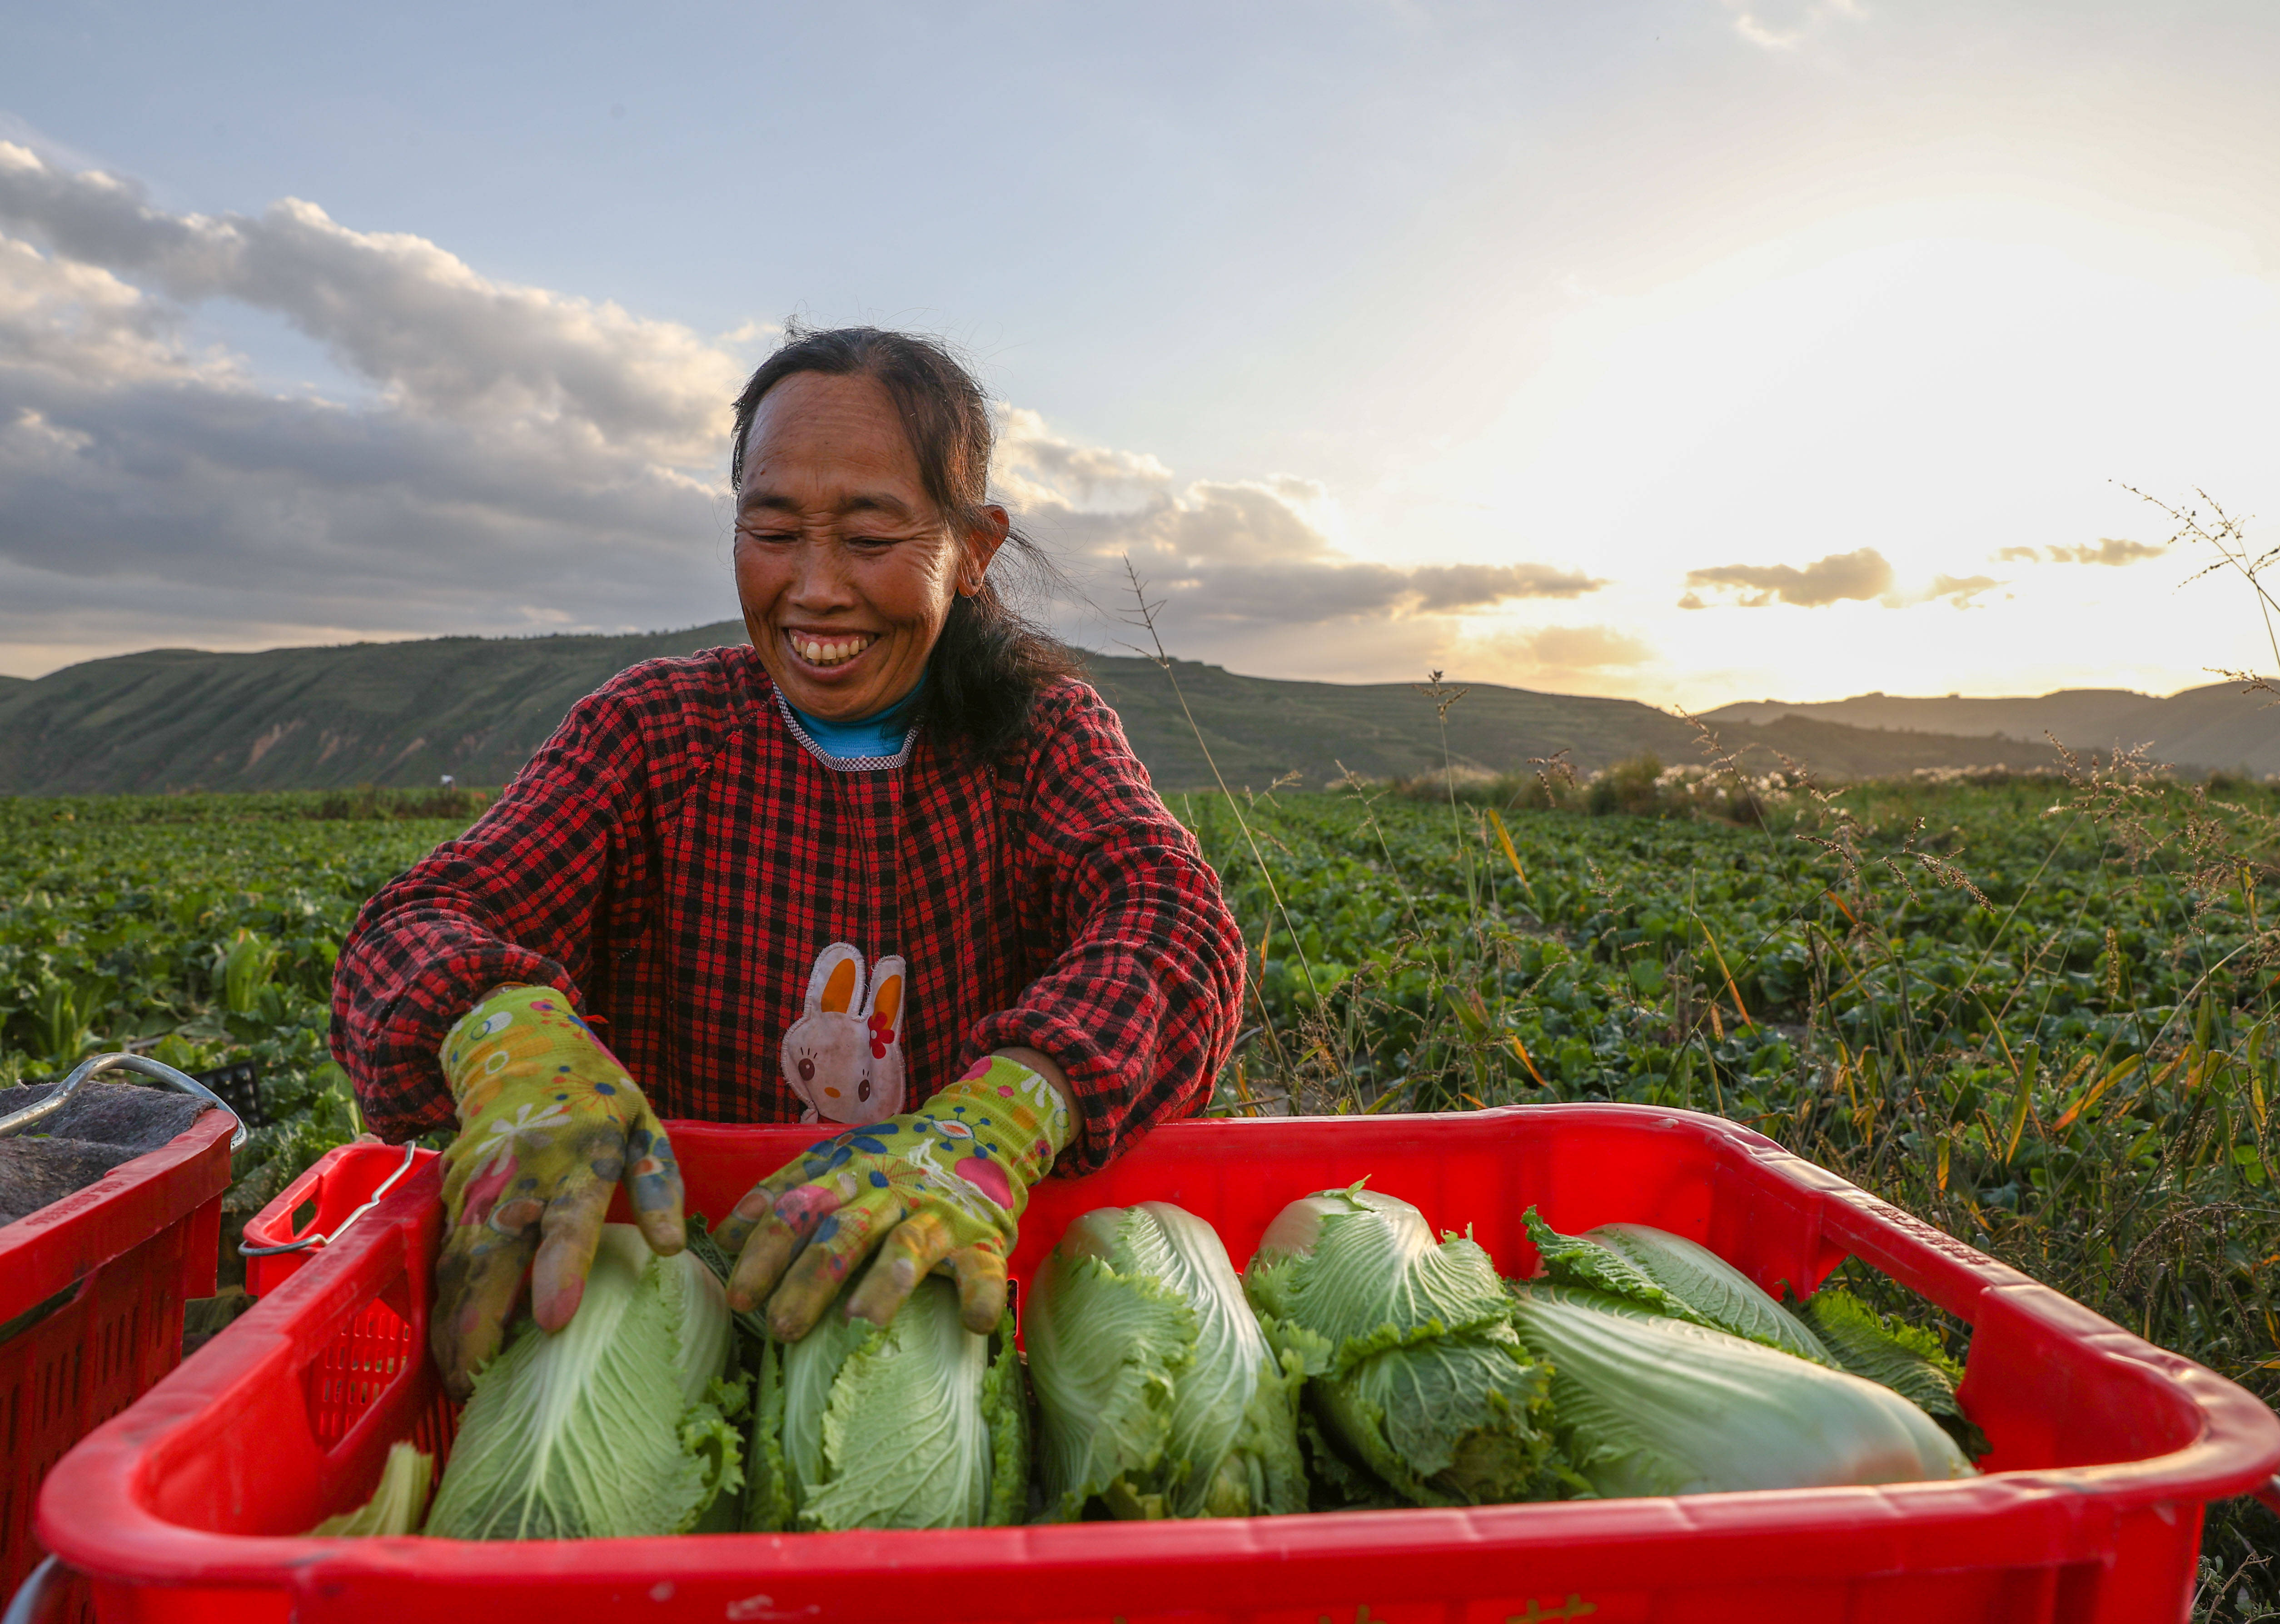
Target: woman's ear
(981,545)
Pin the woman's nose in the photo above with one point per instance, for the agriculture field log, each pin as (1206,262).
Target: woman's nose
(820,582)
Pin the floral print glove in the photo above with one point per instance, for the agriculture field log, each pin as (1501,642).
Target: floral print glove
(941,1184)
(549,1124)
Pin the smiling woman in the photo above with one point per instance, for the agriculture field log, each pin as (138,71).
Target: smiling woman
(892,866)
(865,538)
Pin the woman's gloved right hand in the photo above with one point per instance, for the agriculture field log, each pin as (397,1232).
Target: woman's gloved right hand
(549,1123)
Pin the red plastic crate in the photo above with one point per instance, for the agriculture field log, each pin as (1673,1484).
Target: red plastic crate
(105,1271)
(2105,1447)
(334,1192)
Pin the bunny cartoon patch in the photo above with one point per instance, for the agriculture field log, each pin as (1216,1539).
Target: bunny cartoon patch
(843,1055)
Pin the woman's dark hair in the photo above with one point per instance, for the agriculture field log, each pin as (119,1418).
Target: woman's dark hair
(990,663)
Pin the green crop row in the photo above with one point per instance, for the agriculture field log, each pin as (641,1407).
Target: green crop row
(201,930)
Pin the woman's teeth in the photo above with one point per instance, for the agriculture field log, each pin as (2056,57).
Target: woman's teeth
(828,650)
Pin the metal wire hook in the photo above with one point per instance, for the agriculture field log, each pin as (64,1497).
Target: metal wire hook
(142,1064)
(38,1599)
(307,1241)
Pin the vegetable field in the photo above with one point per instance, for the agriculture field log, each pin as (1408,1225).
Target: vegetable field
(202,929)
(2039,1014)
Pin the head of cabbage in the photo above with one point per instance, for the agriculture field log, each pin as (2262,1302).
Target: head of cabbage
(1158,1393)
(1648,1404)
(618,1424)
(1665,1273)
(1417,1389)
(917,1424)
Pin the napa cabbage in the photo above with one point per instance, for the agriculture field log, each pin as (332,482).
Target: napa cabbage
(1417,1387)
(1671,1275)
(396,1503)
(1651,1404)
(618,1424)
(1158,1393)
(1894,1354)
(917,1424)
(1667,1273)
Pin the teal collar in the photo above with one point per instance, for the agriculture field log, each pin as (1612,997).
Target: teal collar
(867,740)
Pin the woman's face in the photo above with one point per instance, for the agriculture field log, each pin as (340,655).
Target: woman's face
(845,570)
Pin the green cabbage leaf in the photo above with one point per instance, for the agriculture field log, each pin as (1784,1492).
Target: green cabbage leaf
(1157,1390)
(1650,1405)
(1893,1353)
(918,1424)
(396,1504)
(614,1425)
(1672,1275)
(1418,1390)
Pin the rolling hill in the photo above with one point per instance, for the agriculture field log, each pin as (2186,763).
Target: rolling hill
(2210,727)
(405,713)
(1257,729)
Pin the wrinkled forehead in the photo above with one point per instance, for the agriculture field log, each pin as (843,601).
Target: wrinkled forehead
(824,441)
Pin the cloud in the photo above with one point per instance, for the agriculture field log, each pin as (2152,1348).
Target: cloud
(2111,550)
(398,310)
(1784,25)
(1463,586)
(78,322)
(524,460)
(148,474)
(1959,589)
(1862,574)
(1036,468)
(527,460)
(753,333)
(532,459)
(1587,648)
(1841,577)
(1223,554)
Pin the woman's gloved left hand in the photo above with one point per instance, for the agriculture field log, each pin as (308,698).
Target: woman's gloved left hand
(941,1184)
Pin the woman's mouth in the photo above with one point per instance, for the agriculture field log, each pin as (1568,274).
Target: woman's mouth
(825,652)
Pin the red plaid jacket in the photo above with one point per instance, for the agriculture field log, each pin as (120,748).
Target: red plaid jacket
(675,856)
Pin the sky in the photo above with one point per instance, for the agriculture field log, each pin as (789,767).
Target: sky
(1689,351)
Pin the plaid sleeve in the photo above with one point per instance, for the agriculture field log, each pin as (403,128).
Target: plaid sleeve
(526,895)
(1140,1003)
